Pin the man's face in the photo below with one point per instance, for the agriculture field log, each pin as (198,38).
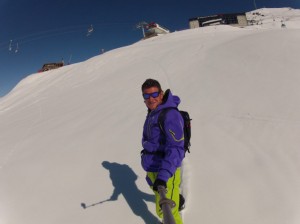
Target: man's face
(155,97)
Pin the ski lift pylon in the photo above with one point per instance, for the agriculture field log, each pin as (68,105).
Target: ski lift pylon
(17,48)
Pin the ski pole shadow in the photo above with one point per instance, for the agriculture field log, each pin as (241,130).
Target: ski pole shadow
(123,180)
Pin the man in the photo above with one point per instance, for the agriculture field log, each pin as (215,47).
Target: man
(163,150)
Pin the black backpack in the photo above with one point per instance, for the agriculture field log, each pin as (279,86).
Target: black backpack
(186,125)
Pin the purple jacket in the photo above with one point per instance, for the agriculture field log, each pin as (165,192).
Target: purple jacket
(163,153)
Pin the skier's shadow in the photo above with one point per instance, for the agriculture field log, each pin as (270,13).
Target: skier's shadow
(123,179)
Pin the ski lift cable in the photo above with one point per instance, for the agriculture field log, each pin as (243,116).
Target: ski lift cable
(56,32)
(62,30)
(43,33)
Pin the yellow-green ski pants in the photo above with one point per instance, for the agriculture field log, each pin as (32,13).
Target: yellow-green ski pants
(173,191)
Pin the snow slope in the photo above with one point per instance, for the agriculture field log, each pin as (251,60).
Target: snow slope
(275,17)
(72,135)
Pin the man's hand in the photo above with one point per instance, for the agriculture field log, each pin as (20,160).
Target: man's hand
(157,183)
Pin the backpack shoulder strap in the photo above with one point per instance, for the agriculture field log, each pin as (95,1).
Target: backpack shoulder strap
(162,117)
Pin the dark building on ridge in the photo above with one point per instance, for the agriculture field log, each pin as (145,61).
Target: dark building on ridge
(234,19)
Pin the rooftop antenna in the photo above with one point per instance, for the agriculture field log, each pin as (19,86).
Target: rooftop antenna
(70,59)
(254,4)
(141,25)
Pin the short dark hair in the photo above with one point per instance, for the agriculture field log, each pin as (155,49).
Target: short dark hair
(151,83)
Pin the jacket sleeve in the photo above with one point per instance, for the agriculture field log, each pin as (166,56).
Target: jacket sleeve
(174,149)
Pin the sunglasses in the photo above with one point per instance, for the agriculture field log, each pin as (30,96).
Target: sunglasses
(153,95)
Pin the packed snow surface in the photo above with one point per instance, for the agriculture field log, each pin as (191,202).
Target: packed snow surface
(73,135)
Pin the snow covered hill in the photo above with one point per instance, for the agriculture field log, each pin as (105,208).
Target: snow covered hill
(274,17)
(72,135)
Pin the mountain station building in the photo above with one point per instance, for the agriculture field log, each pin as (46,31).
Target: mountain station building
(234,19)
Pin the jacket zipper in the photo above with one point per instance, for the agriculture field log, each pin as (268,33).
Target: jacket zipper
(149,125)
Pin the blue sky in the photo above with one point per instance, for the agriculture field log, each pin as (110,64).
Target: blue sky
(49,31)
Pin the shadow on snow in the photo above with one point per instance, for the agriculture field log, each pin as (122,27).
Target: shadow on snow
(123,179)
